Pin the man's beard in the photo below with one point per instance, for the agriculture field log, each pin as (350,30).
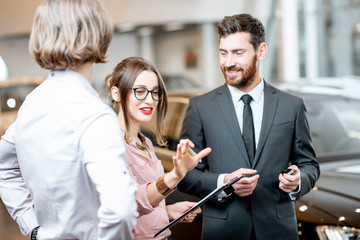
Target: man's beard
(248,75)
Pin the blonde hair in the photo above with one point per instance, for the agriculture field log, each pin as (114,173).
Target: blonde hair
(123,77)
(69,33)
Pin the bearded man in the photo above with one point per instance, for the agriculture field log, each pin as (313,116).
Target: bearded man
(254,130)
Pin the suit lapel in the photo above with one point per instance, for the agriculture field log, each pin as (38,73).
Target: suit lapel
(270,106)
(227,109)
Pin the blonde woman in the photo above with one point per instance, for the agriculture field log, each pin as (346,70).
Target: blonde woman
(138,93)
(62,169)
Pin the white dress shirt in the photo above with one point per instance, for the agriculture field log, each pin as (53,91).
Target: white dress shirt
(257,107)
(65,149)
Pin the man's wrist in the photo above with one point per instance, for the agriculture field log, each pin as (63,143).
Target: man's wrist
(220,182)
(227,177)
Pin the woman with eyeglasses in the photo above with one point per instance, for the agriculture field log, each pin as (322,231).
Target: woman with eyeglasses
(138,92)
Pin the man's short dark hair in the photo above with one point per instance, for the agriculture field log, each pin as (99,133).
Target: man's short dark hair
(243,23)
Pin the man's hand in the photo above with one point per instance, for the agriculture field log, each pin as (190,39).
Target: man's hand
(289,183)
(175,210)
(245,186)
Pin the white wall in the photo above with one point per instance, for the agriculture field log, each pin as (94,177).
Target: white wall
(14,51)
(170,49)
(159,11)
(122,46)
(16,16)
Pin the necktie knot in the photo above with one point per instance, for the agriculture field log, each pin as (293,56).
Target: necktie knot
(246,98)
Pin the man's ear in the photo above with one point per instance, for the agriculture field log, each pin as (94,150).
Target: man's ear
(261,52)
(115,94)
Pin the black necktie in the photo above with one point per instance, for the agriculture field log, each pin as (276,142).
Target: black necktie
(248,127)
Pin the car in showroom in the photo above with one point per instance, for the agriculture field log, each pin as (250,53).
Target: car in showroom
(12,94)
(332,209)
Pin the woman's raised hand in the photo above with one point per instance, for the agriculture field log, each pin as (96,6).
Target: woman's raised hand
(184,161)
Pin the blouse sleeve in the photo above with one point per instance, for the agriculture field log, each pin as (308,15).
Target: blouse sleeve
(144,171)
(13,191)
(142,200)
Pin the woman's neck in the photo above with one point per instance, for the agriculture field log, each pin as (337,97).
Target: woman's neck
(134,134)
(84,70)
(134,129)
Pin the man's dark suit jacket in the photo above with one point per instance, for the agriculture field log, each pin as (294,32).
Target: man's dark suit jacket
(211,121)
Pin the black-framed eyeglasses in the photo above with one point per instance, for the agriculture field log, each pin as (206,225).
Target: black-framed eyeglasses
(141,93)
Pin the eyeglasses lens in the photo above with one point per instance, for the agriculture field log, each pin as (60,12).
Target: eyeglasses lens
(142,93)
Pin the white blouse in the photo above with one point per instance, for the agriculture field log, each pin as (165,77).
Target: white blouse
(65,150)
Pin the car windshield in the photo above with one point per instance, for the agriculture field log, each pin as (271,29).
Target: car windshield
(335,125)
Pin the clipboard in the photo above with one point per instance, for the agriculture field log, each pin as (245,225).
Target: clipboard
(200,203)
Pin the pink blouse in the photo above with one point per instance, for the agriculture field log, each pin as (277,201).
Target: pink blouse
(145,170)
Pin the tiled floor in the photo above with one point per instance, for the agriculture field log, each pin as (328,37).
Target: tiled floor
(9,229)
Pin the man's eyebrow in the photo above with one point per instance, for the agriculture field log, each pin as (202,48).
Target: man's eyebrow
(233,50)
(239,50)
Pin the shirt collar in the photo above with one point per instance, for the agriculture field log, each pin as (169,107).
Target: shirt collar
(255,93)
(73,78)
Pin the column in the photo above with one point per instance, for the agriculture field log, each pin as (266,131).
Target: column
(210,58)
(311,40)
(289,41)
(146,43)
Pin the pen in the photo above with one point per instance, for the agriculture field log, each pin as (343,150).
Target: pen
(192,153)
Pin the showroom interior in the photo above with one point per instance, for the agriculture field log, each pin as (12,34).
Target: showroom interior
(310,43)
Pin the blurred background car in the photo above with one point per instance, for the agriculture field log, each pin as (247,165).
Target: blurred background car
(307,39)
(332,209)
(12,94)
(179,81)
